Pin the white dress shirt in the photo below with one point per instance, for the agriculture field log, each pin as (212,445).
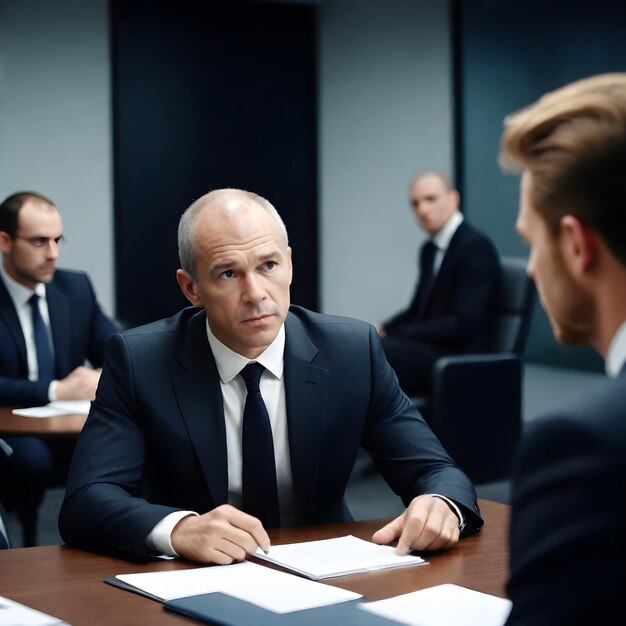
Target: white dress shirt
(21,296)
(616,355)
(443,237)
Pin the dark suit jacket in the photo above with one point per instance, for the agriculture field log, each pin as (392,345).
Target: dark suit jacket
(463,299)
(80,331)
(568,530)
(155,439)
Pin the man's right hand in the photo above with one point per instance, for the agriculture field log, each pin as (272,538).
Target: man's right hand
(223,535)
(80,384)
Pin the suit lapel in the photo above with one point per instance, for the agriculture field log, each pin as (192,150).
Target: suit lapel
(9,315)
(197,388)
(59,312)
(306,388)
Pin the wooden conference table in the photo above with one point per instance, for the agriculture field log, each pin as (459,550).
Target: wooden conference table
(67,583)
(57,426)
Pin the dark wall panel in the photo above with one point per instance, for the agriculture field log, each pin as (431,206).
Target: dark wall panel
(509,55)
(209,95)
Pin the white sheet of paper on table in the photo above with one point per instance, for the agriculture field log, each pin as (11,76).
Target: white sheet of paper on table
(443,605)
(265,587)
(12,613)
(64,407)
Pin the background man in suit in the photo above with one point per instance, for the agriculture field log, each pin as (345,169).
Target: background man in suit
(568,531)
(167,437)
(457,291)
(50,323)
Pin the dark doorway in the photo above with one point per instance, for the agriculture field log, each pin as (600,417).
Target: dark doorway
(209,95)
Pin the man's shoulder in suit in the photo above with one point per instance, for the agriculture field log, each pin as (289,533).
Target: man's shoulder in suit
(71,283)
(469,235)
(312,318)
(601,412)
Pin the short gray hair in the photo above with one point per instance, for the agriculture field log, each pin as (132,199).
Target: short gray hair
(186,225)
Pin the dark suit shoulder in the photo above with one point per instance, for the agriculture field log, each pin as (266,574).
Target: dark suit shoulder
(467,235)
(173,324)
(312,318)
(320,327)
(599,414)
(70,278)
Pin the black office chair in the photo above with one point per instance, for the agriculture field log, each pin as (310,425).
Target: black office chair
(475,406)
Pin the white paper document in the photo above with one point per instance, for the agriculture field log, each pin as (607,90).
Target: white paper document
(265,587)
(14,614)
(336,557)
(65,407)
(443,605)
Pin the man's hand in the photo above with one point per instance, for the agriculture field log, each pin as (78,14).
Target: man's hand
(220,536)
(381,330)
(427,524)
(80,384)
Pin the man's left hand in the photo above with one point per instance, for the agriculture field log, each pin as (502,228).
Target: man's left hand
(427,524)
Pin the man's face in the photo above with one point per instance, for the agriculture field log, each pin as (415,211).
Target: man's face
(244,272)
(30,257)
(433,204)
(569,310)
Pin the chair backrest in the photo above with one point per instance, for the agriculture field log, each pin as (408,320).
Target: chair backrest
(517,296)
(477,413)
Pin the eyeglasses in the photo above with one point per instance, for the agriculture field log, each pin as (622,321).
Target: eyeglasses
(42,242)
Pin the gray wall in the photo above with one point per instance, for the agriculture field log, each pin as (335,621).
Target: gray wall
(385,114)
(55,122)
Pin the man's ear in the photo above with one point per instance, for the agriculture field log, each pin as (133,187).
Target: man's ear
(5,242)
(188,287)
(579,244)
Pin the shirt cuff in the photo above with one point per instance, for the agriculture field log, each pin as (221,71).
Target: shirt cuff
(455,509)
(159,540)
(52,391)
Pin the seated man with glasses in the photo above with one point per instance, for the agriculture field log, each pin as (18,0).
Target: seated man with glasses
(50,325)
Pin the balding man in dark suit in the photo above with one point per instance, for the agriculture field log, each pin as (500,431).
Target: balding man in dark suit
(166,464)
(457,293)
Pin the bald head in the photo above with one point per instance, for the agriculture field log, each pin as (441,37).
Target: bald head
(236,265)
(442,178)
(434,201)
(217,206)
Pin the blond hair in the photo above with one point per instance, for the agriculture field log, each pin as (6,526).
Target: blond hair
(572,141)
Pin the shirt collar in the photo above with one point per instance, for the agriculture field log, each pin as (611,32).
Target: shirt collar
(616,356)
(442,238)
(19,293)
(230,363)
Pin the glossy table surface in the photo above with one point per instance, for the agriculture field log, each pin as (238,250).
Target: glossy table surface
(67,583)
(57,426)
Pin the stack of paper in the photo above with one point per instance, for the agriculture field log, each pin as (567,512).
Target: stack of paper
(336,557)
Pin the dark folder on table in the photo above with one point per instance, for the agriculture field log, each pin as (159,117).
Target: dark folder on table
(224,610)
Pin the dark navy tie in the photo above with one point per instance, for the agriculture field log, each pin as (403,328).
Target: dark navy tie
(45,360)
(427,278)
(259,488)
